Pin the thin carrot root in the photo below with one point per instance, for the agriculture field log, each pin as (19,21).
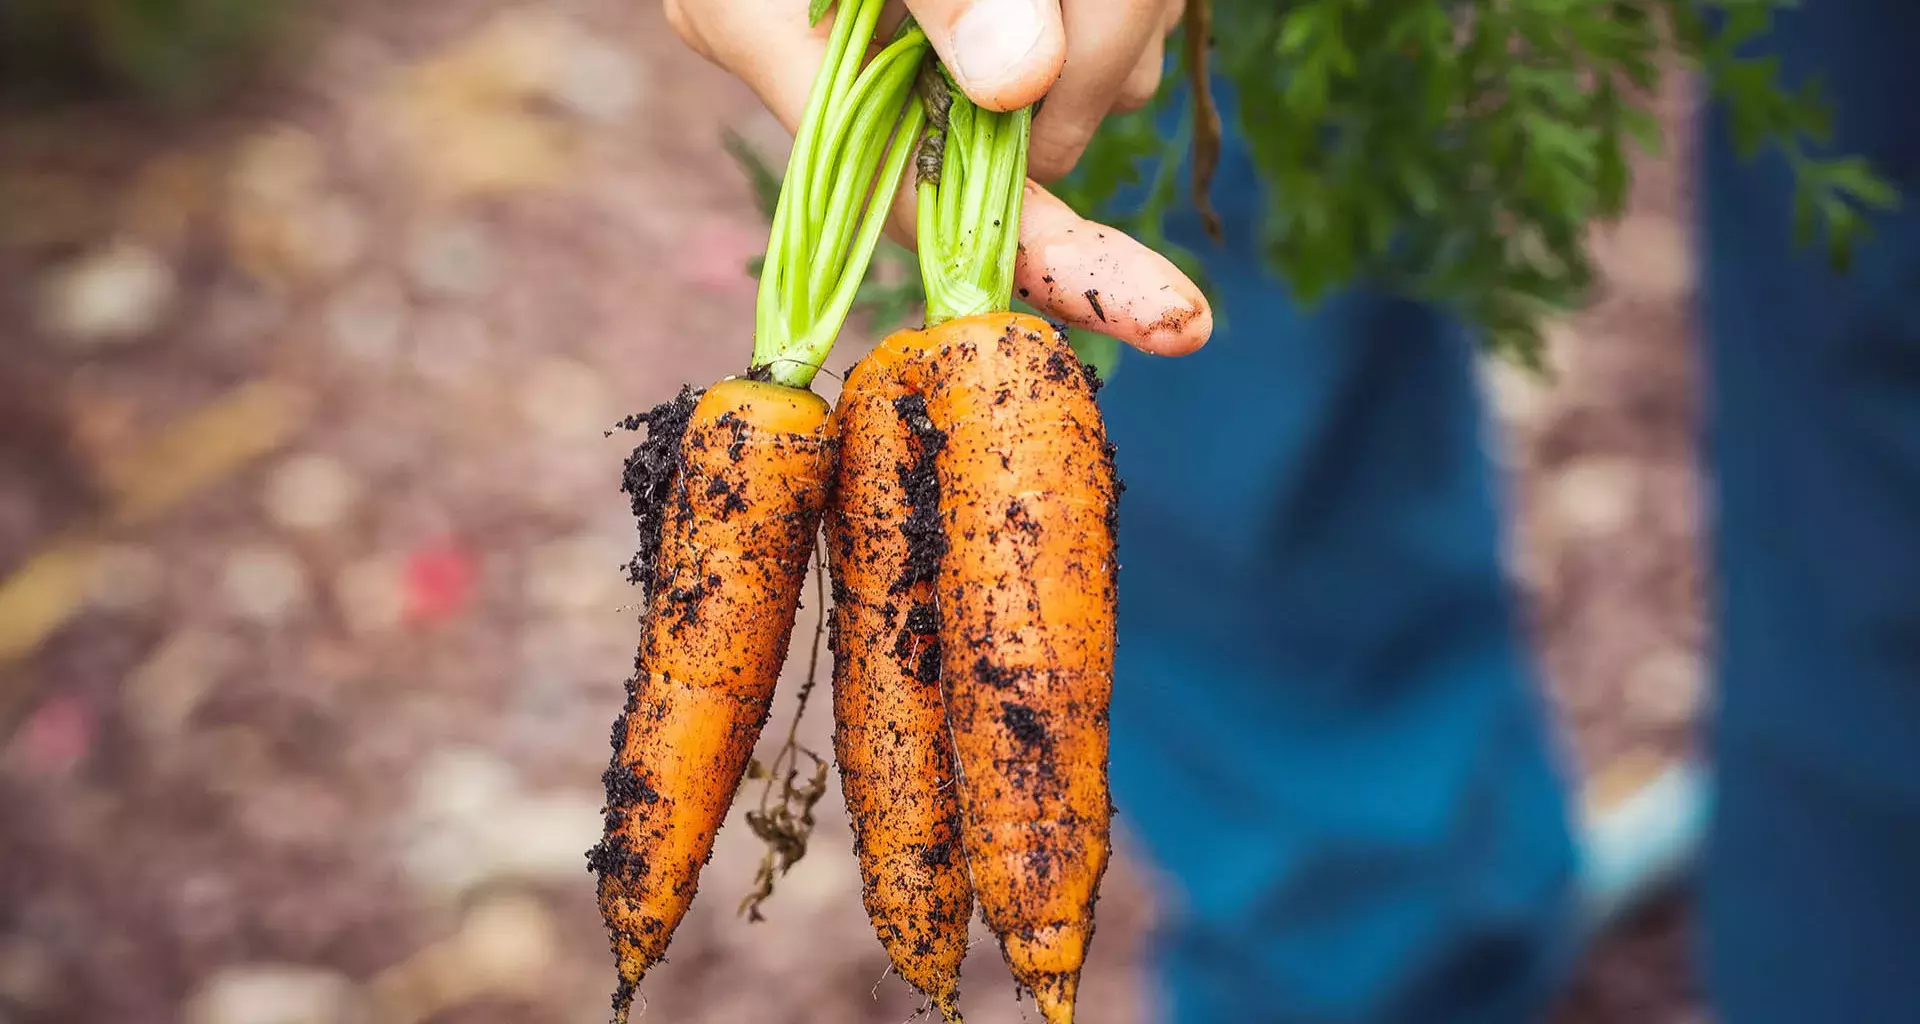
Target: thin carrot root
(890,737)
(784,820)
(729,493)
(1027,501)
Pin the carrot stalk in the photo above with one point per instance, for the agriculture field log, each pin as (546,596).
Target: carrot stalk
(849,156)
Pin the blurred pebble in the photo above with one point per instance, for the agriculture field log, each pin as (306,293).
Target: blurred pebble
(452,348)
(267,993)
(230,759)
(543,838)
(168,195)
(1665,689)
(566,399)
(162,694)
(294,813)
(509,942)
(283,225)
(205,906)
(311,492)
(370,595)
(26,973)
(453,260)
(115,295)
(126,578)
(280,166)
(461,784)
(576,574)
(264,583)
(597,82)
(329,237)
(366,321)
(1593,497)
(241,317)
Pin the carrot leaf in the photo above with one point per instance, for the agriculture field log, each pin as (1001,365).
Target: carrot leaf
(1457,152)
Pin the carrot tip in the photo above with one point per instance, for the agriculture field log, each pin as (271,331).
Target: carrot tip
(1054,998)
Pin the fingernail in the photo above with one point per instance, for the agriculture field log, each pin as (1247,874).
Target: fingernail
(992,40)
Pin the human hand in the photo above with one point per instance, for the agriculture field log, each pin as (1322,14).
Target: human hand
(1089,59)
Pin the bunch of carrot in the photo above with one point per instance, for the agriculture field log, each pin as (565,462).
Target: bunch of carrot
(968,498)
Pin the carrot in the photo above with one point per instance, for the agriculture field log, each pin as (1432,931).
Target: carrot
(1026,588)
(890,734)
(1026,591)
(733,502)
(729,489)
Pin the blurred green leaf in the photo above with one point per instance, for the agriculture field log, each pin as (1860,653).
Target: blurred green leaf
(1457,152)
(175,52)
(763,178)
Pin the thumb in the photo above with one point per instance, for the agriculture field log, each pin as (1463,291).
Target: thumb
(1004,54)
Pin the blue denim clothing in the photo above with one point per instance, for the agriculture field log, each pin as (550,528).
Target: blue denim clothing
(1325,727)
(1811,896)
(1327,733)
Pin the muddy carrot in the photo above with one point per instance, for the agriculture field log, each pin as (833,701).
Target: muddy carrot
(729,488)
(1024,498)
(890,735)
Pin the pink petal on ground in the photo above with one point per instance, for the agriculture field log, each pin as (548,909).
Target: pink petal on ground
(438,582)
(55,739)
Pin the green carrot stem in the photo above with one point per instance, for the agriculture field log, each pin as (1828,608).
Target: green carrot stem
(969,213)
(868,135)
(859,122)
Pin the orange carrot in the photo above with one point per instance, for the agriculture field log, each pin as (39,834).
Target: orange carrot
(890,735)
(1026,587)
(729,492)
(1026,596)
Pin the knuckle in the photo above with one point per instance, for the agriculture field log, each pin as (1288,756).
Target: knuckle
(1138,90)
(1053,155)
(680,19)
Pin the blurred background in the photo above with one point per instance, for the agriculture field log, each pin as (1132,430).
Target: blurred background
(312,616)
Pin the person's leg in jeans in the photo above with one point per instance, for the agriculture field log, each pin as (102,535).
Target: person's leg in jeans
(1325,728)
(1812,869)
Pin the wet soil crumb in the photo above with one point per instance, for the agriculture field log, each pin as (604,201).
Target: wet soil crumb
(737,449)
(1024,723)
(937,855)
(733,502)
(1060,367)
(997,676)
(927,672)
(926,542)
(650,472)
(626,788)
